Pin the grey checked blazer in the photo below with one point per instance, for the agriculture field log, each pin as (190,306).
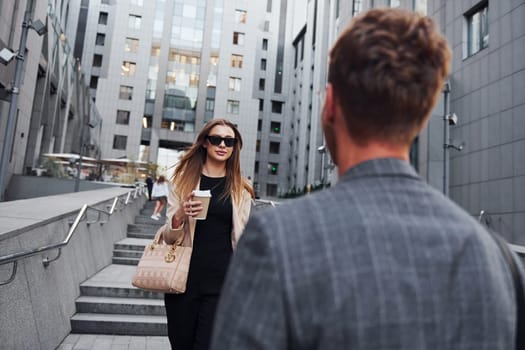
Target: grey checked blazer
(379,261)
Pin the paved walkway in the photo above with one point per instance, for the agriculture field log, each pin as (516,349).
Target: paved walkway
(113,342)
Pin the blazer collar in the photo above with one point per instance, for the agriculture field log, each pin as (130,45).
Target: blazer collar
(382,167)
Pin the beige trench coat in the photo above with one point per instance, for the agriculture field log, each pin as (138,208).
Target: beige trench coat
(185,234)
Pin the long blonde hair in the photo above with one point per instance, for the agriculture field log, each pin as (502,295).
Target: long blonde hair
(188,171)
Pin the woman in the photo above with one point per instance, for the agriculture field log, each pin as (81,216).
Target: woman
(212,163)
(160,192)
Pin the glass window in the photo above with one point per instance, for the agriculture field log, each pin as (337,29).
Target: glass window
(240,16)
(275,127)
(194,80)
(189,11)
(235,84)
(259,124)
(134,21)
(265,44)
(97,60)
(420,6)
(104,2)
(277,107)
(131,45)
(266,27)
(263,63)
(236,61)
(119,142)
(478,29)
(258,146)
(103,18)
(126,92)
(238,38)
(93,82)
(122,117)
(233,107)
(273,168)
(210,104)
(261,105)
(269,6)
(271,190)
(256,167)
(128,69)
(357,7)
(261,84)
(137,2)
(393,3)
(100,39)
(155,51)
(275,147)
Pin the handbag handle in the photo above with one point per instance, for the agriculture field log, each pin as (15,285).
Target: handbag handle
(518,287)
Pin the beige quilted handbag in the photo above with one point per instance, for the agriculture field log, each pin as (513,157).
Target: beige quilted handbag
(163,267)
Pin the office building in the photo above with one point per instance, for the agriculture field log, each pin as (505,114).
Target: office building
(48,109)
(159,70)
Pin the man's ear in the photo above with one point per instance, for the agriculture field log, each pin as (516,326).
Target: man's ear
(329,105)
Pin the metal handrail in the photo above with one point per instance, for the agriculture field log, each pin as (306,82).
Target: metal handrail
(266,202)
(15,257)
(517,248)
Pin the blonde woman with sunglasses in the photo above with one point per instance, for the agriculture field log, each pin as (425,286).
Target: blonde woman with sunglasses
(211,163)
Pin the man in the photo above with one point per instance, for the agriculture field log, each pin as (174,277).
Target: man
(381,260)
(149,185)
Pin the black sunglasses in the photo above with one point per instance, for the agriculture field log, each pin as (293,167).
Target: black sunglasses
(217,140)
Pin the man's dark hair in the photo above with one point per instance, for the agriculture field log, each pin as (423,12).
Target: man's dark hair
(387,70)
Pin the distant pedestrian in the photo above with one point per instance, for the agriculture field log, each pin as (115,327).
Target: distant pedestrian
(149,185)
(160,193)
(381,260)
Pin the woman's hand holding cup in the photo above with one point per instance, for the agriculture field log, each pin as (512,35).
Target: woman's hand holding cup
(191,206)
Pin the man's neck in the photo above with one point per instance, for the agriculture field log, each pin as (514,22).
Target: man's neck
(372,150)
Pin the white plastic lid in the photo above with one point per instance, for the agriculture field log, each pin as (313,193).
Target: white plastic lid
(202,193)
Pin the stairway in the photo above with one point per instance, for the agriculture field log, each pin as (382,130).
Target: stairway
(108,303)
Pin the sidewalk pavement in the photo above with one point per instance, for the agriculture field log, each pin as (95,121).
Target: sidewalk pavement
(113,342)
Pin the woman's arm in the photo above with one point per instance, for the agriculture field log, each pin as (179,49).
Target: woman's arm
(173,230)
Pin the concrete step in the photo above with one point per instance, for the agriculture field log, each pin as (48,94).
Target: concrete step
(127,254)
(135,244)
(118,324)
(146,219)
(115,281)
(125,261)
(150,228)
(106,291)
(128,306)
(143,235)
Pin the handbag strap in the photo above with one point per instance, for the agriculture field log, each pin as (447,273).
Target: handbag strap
(518,287)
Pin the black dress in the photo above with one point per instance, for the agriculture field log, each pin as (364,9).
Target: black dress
(190,315)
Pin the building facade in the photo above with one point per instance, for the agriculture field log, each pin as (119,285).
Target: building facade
(48,110)
(487,93)
(473,146)
(159,70)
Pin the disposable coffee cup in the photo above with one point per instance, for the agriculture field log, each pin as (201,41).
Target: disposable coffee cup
(204,197)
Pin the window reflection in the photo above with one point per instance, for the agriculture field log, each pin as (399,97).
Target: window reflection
(240,16)
(134,21)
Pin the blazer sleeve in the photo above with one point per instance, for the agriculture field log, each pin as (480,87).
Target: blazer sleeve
(251,312)
(173,234)
(241,215)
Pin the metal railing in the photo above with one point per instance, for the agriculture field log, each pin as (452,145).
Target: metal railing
(82,215)
(264,204)
(486,219)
